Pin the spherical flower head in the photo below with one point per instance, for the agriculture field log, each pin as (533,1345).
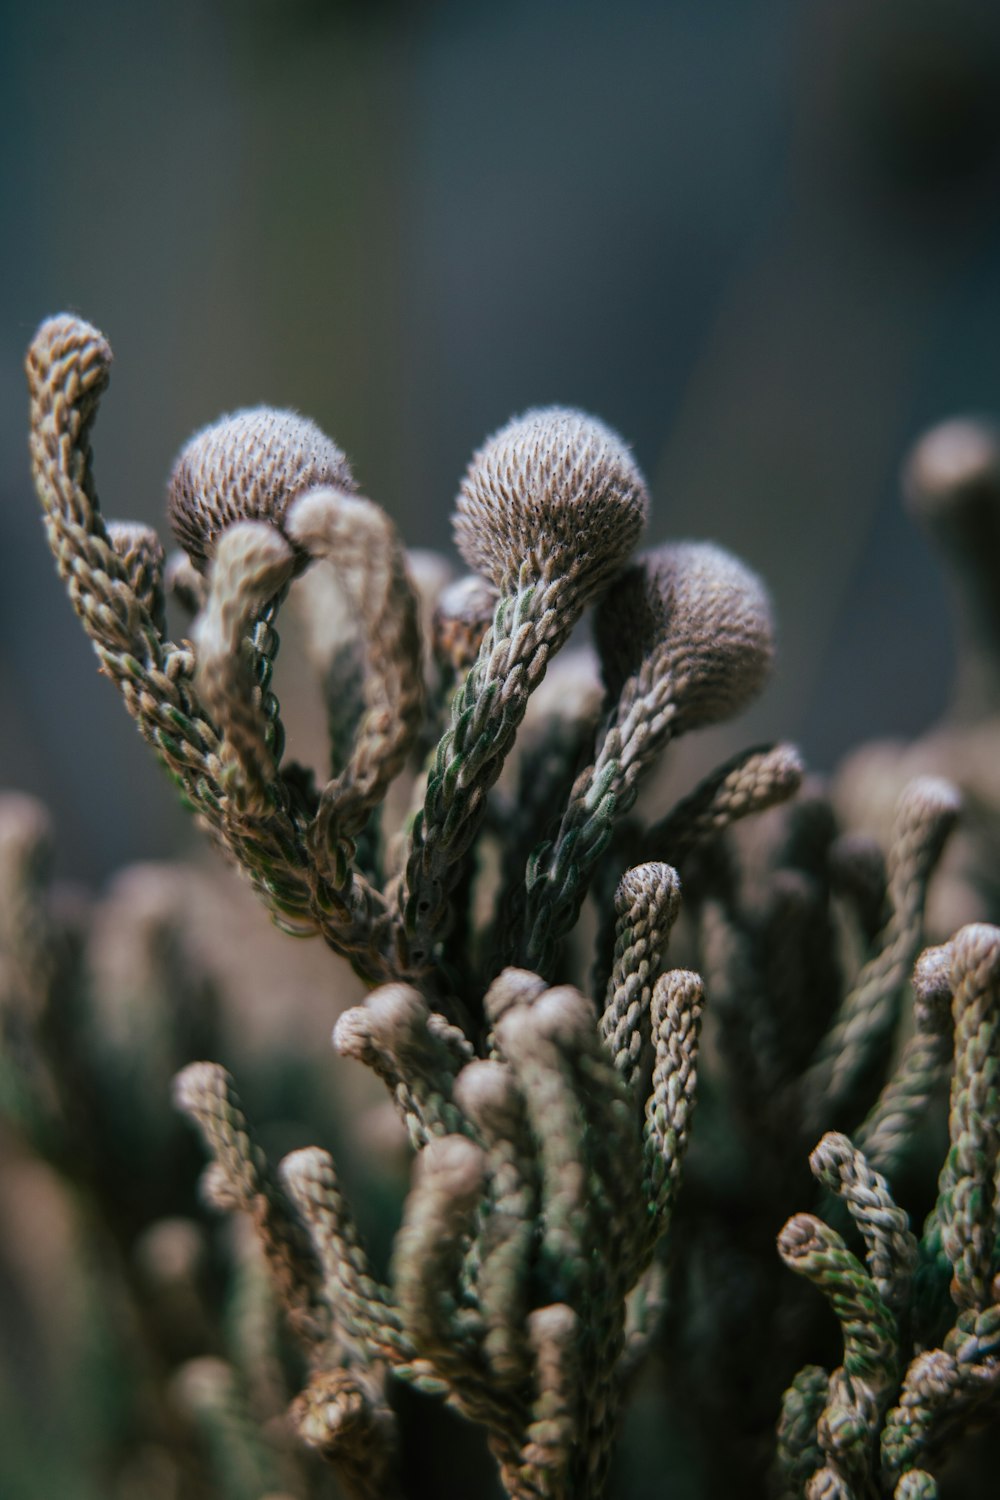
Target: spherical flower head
(248,466)
(954,466)
(692,609)
(554,490)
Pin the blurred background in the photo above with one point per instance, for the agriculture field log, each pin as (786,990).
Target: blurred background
(761,240)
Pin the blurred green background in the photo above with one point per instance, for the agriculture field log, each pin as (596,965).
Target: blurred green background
(761,240)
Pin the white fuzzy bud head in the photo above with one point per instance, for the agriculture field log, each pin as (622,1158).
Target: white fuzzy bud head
(700,612)
(554,490)
(249,466)
(954,465)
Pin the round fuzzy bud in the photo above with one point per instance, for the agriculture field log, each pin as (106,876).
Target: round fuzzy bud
(954,467)
(694,610)
(248,466)
(952,483)
(555,491)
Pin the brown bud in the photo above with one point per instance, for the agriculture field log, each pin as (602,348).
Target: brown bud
(694,610)
(248,466)
(954,467)
(556,492)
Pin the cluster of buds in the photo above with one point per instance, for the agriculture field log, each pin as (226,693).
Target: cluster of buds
(880,1417)
(548,513)
(528,1275)
(544,1121)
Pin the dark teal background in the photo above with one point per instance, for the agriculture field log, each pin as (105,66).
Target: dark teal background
(762,240)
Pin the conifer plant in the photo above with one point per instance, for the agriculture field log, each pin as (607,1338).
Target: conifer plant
(541,965)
